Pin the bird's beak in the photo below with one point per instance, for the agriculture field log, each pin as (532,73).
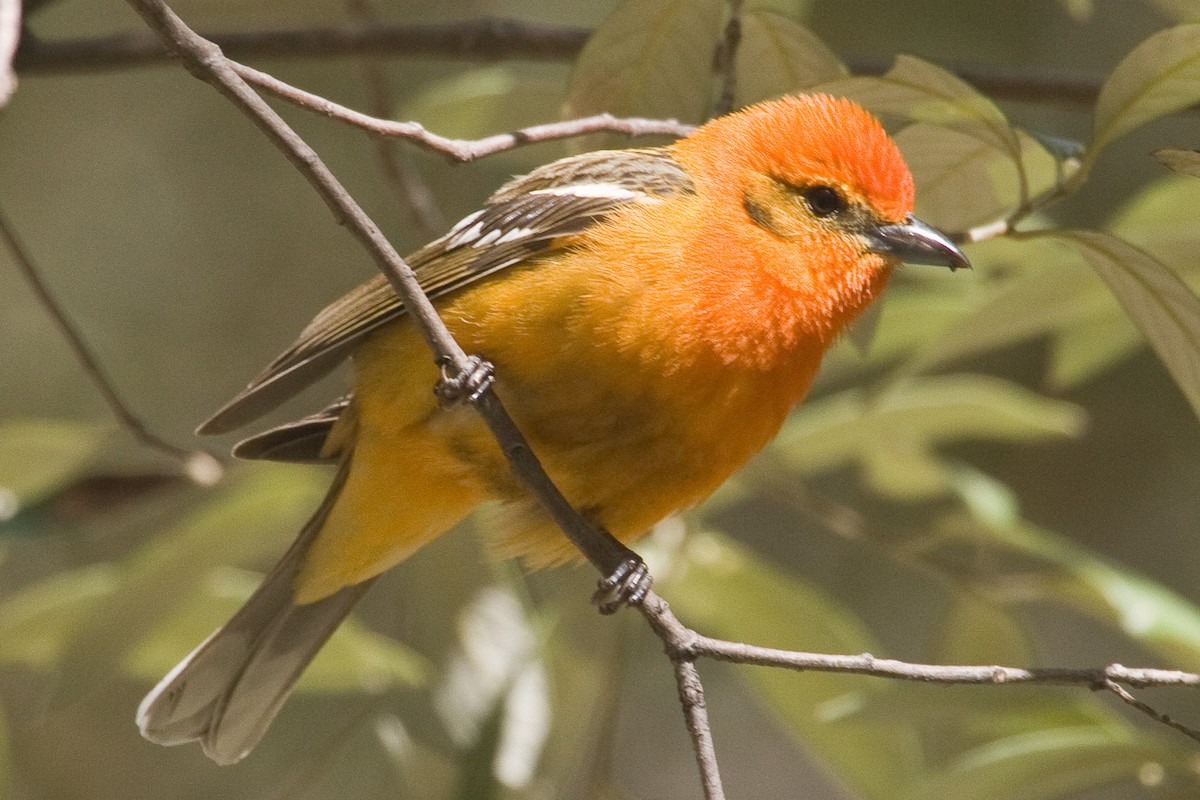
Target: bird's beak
(917,243)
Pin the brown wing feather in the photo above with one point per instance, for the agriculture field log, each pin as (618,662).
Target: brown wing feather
(527,218)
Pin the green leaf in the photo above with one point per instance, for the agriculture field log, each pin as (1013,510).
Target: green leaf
(778,55)
(894,435)
(1040,765)
(1185,162)
(976,631)
(1091,347)
(725,591)
(255,514)
(920,91)
(1160,304)
(37,622)
(1160,76)
(39,456)
(964,181)
(7,762)
(1026,563)
(649,58)
(1160,218)
(480,102)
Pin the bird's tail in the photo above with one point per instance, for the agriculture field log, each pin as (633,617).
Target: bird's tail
(227,691)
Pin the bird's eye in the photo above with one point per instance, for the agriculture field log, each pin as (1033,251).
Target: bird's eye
(824,201)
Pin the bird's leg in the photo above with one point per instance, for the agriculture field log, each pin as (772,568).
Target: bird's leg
(629,581)
(468,384)
(628,584)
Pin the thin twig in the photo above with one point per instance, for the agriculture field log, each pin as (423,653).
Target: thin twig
(200,466)
(727,59)
(461,150)
(205,60)
(684,646)
(413,194)
(476,40)
(486,39)
(1154,714)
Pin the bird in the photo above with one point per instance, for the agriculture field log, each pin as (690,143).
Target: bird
(652,315)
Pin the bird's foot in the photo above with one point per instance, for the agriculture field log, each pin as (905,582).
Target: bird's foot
(628,584)
(467,384)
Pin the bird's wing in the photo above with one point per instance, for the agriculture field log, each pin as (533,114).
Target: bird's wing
(529,217)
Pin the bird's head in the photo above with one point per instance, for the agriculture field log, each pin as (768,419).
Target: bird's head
(819,173)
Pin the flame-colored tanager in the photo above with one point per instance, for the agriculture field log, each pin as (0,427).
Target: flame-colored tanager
(652,314)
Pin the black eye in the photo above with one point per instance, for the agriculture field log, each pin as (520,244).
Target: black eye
(824,201)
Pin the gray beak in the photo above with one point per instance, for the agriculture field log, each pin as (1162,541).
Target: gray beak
(917,243)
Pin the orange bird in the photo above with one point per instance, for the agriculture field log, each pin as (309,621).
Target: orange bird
(652,314)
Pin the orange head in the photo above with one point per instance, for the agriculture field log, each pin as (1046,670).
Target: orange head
(807,205)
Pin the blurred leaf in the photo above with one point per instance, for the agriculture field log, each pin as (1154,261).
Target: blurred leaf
(894,435)
(1160,304)
(1040,765)
(1182,10)
(778,55)
(39,456)
(920,91)
(1042,295)
(254,514)
(355,659)
(975,631)
(37,622)
(1092,346)
(1027,563)
(1161,75)
(1185,162)
(482,102)
(649,58)
(963,181)
(1161,218)
(727,592)
(7,763)
(493,699)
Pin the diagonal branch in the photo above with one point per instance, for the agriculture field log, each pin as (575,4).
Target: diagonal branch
(683,645)
(200,466)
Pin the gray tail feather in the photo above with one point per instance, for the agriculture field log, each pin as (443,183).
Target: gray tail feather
(227,691)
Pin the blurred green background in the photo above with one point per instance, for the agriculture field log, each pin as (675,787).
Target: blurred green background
(991,483)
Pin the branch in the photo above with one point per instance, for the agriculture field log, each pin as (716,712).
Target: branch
(683,645)
(407,185)
(461,150)
(486,39)
(198,465)
(727,59)
(205,60)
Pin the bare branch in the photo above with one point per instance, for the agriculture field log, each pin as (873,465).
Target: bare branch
(410,190)
(1154,714)
(695,714)
(462,150)
(198,465)
(487,39)
(683,645)
(205,60)
(727,59)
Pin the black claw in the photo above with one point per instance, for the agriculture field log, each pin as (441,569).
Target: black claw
(468,384)
(628,584)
